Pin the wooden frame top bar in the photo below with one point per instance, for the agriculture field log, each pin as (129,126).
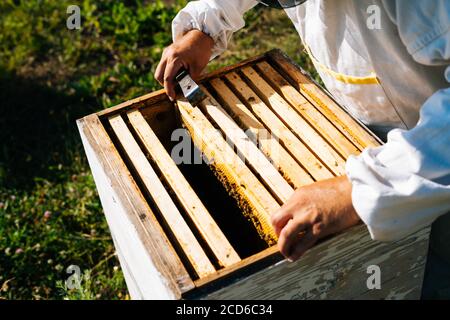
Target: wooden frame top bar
(99,130)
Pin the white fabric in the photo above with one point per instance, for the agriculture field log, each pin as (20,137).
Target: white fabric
(218,19)
(404,184)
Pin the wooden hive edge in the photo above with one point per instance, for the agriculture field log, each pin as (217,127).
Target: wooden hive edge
(292,171)
(185,194)
(177,226)
(276,54)
(336,268)
(254,157)
(242,269)
(146,101)
(160,95)
(255,202)
(299,150)
(138,213)
(307,110)
(302,129)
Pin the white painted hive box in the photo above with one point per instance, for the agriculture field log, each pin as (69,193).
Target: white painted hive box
(193,231)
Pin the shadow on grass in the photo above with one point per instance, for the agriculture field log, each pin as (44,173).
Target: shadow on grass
(38,130)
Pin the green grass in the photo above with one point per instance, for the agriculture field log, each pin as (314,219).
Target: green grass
(50,214)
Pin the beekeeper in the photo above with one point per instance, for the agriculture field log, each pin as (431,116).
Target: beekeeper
(387,62)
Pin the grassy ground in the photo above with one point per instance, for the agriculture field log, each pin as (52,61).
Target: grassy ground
(50,215)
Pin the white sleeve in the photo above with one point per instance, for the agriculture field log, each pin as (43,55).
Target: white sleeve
(217,18)
(405,184)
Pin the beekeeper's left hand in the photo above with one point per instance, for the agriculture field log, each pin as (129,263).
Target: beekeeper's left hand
(314,212)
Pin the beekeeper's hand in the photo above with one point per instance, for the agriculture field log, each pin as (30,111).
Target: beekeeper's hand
(193,52)
(314,212)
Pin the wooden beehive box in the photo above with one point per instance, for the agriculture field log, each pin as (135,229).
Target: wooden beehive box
(195,230)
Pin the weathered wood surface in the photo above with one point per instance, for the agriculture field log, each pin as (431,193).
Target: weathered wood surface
(162,117)
(320,123)
(135,292)
(195,209)
(148,254)
(337,269)
(257,260)
(160,96)
(301,128)
(169,211)
(285,163)
(254,199)
(296,147)
(249,150)
(327,106)
(264,93)
(151,99)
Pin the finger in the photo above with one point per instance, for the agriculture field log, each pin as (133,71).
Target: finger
(305,243)
(280,218)
(170,73)
(159,72)
(290,235)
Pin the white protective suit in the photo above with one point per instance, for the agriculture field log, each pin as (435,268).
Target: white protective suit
(396,77)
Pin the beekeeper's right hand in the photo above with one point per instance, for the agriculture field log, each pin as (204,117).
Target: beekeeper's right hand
(192,52)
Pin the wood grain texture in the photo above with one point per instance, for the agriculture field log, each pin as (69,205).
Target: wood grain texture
(253,198)
(148,100)
(327,106)
(253,156)
(160,96)
(237,66)
(268,144)
(337,269)
(191,203)
(205,284)
(295,122)
(316,119)
(296,147)
(163,118)
(152,259)
(183,235)
(276,93)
